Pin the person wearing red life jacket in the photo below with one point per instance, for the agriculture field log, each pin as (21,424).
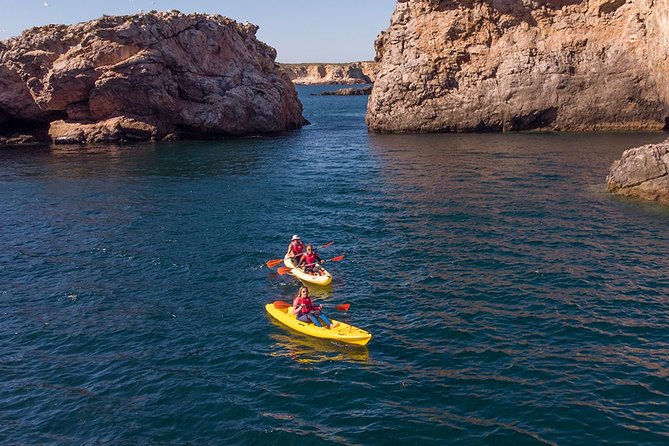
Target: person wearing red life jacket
(311,262)
(295,249)
(306,311)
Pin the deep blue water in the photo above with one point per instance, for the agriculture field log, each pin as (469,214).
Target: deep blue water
(512,300)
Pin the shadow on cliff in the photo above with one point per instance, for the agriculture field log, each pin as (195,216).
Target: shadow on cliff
(26,131)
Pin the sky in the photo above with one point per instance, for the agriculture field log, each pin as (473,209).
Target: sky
(300,30)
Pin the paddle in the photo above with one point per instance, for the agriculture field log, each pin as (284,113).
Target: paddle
(274,262)
(284,269)
(281,305)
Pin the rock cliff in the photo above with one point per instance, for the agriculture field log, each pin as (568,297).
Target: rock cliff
(642,172)
(147,76)
(501,65)
(323,74)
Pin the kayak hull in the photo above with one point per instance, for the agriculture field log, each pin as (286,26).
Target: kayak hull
(325,279)
(342,333)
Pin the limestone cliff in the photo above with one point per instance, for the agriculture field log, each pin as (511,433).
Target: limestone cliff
(320,74)
(500,65)
(147,76)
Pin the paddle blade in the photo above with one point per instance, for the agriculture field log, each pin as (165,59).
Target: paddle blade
(337,259)
(272,263)
(283,270)
(326,245)
(281,304)
(342,307)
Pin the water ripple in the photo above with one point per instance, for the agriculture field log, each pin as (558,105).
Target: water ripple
(511,299)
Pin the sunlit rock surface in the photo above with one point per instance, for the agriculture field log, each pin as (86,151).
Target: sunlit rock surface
(325,74)
(500,65)
(147,76)
(642,172)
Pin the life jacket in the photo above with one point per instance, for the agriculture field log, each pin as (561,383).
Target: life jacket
(310,258)
(296,248)
(308,305)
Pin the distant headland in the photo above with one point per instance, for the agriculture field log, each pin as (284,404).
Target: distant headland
(331,73)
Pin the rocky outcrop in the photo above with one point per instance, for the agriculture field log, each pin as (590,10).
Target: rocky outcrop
(501,65)
(325,74)
(346,92)
(642,172)
(147,76)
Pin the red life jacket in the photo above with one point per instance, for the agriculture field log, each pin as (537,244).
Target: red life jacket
(296,247)
(308,305)
(310,258)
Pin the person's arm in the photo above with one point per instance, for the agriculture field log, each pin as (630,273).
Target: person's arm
(296,306)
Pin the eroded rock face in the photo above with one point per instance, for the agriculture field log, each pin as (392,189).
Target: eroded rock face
(326,74)
(500,65)
(641,172)
(146,76)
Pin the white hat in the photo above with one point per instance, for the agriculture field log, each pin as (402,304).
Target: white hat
(295,237)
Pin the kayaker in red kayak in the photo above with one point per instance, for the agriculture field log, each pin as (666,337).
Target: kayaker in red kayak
(295,249)
(311,262)
(306,311)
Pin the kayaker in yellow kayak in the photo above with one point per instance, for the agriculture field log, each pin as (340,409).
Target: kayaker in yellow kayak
(311,262)
(306,311)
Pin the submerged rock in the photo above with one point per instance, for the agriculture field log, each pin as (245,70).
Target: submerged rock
(642,172)
(500,65)
(147,76)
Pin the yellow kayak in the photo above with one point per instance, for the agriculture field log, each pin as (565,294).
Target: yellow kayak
(306,277)
(343,332)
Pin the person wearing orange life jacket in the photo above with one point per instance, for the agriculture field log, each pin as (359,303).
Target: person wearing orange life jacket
(311,262)
(305,311)
(295,249)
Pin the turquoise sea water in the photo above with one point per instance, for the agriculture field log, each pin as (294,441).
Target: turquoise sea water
(512,300)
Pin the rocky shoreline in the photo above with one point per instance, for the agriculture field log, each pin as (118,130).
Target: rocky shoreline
(153,76)
(329,74)
(442,66)
(346,92)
